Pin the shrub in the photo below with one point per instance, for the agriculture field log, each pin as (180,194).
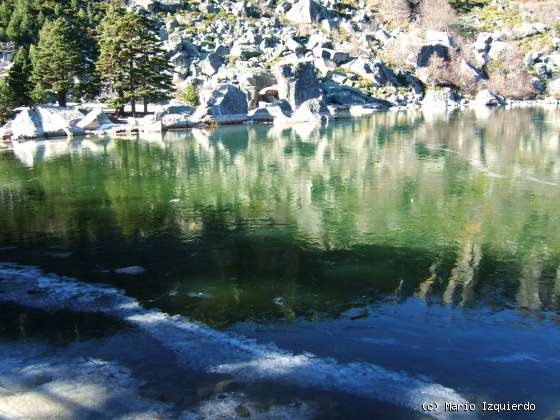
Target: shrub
(508,76)
(190,95)
(437,15)
(395,12)
(465,6)
(451,73)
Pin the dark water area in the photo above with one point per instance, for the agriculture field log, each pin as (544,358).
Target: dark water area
(429,246)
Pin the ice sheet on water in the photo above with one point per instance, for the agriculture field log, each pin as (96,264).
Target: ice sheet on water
(208,350)
(38,383)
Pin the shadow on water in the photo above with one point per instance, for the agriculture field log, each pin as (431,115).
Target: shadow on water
(51,345)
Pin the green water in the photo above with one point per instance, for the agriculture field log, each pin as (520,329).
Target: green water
(285,233)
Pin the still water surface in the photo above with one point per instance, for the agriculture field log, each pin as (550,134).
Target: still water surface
(428,246)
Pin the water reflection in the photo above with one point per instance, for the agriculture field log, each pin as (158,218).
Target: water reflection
(260,222)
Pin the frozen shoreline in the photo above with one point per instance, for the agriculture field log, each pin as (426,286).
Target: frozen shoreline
(206,350)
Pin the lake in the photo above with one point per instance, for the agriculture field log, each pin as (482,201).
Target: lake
(357,269)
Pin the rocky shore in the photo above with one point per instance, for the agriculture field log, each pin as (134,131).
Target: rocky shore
(304,61)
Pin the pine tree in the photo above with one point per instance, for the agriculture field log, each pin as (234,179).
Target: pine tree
(155,76)
(132,63)
(6,10)
(18,78)
(6,104)
(56,61)
(21,26)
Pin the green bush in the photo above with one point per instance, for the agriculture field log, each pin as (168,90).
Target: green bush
(465,6)
(190,95)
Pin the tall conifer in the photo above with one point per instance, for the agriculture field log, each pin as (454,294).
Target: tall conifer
(56,61)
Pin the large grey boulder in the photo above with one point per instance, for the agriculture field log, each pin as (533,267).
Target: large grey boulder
(487,98)
(304,11)
(175,121)
(376,72)
(211,64)
(253,81)
(173,116)
(527,29)
(94,120)
(311,110)
(60,122)
(297,82)
(440,100)
(439,38)
(27,125)
(227,105)
(245,51)
(481,47)
(269,113)
(342,95)
(173,108)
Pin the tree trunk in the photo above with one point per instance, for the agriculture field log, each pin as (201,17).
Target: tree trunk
(62,98)
(145,105)
(120,108)
(133,107)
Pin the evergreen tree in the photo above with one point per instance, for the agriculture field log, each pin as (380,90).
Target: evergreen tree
(132,63)
(6,10)
(56,61)
(18,78)
(155,76)
(21,27)
(6,104)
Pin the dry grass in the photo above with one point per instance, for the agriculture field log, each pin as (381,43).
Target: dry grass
(394,12)
(437,15)
(546,11)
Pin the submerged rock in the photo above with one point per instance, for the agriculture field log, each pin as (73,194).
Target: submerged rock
(132,270)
